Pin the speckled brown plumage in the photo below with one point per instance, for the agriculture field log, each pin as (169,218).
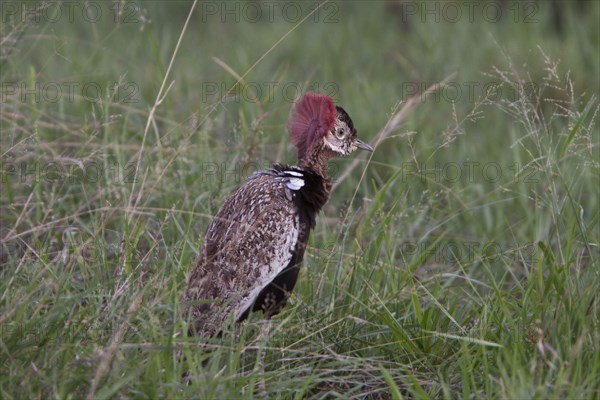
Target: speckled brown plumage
(253,249)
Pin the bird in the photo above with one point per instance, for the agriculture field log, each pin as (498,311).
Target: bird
(255,244)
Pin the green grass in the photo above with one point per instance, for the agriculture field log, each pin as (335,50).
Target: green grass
(419,282)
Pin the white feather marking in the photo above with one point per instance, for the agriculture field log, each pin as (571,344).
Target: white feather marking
(335,147)
(294,173)
(282,258)
(295,183)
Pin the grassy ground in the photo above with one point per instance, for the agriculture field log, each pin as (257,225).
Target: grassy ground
(460,261)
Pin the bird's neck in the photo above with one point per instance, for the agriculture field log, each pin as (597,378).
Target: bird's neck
(317,184)
(317,159)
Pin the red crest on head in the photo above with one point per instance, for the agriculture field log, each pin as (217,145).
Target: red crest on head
(313,116)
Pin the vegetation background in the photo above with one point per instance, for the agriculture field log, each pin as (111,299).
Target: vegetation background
(459,260)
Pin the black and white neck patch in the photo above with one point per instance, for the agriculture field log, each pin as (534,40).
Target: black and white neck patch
(307,189)
(293,177)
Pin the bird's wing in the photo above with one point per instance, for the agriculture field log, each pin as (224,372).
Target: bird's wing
(250,241)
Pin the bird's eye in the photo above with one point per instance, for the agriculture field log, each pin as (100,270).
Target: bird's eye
(339,133)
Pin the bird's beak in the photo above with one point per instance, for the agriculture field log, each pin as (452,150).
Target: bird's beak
(362,145)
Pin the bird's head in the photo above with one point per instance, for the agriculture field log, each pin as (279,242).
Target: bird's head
(341,138)
(317,123)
